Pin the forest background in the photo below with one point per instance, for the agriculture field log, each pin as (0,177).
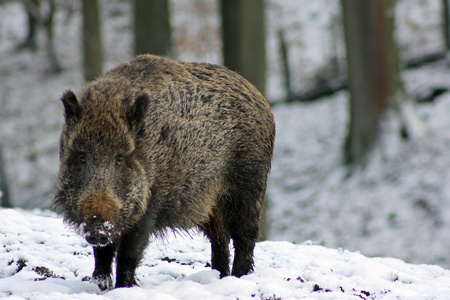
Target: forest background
(358,164)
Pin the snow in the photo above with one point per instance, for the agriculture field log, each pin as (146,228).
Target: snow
(40,258)
(397,206)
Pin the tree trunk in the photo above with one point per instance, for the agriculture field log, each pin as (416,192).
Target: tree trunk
(152,30)
(286,67)
(32,8)
(92,40)
(55,66)
(5,200)
(243,36)
(446,23)
(372,71)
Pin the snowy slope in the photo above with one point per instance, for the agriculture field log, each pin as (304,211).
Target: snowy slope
(40,258)
(398,206)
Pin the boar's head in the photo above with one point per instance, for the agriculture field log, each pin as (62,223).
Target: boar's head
(102,187)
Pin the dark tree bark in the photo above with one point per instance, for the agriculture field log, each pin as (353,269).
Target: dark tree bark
(152,30)
(30,42)
(37,18)
(92,40)
(5,200)
(446,23)
(372,71)
(47,22)
(286,67)
(243,36)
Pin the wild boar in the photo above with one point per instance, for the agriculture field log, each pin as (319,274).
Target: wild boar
(157,144)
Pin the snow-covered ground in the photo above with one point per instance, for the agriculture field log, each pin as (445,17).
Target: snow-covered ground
(42,259)
(399,206)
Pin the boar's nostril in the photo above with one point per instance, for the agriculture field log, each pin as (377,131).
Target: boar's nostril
(97,238)
(104,240)
(91,239)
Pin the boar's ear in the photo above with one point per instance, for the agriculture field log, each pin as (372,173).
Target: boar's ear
(137,111)
(72,110)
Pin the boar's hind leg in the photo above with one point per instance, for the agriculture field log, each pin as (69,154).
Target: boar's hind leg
(219,238)
(247,188)
(243,256)
(103,266)
(244,230)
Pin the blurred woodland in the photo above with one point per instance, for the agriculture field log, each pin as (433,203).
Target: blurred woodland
(363,46)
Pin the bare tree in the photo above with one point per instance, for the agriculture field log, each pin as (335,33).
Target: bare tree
(5,200)
(47,22)
(30,41)
(373,71)
(92,40)
(38,17)
(243,36)
(446,23)
(152,30)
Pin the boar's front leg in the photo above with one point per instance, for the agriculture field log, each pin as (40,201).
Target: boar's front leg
(131,250)
(104,256)
(130,253)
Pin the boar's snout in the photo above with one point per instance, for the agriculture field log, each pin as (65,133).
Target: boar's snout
(99,212)
(98,237)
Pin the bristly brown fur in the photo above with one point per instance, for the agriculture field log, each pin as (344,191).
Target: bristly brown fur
(156,144)
(99,206)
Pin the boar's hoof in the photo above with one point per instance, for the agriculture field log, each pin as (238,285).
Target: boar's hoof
(104,282)
(97,238)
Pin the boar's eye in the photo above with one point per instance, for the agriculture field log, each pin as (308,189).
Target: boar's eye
(79,157)
(119,160)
